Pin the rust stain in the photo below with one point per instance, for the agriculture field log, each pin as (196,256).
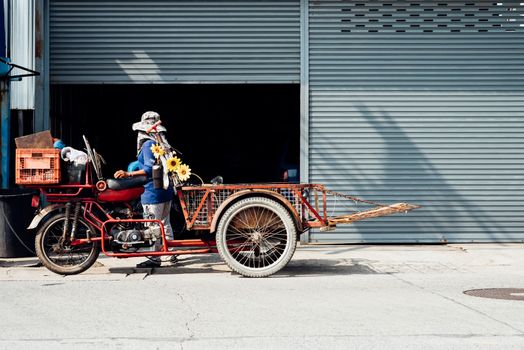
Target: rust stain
(3,91)
(39,38)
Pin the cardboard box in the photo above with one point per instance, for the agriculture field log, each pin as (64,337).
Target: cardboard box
(41,139)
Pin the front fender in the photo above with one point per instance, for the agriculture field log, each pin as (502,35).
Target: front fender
(42,214)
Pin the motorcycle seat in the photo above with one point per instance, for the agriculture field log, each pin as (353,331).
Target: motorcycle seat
(130,182)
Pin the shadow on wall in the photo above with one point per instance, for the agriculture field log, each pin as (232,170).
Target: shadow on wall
(446,213)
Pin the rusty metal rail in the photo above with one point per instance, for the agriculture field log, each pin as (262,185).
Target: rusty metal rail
(307,202)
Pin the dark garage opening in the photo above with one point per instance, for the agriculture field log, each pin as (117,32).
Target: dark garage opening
(245,133)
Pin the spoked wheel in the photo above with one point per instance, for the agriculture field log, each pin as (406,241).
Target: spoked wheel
(256,237)
(57,254)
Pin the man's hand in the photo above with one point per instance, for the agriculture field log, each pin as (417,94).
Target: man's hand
(121,174)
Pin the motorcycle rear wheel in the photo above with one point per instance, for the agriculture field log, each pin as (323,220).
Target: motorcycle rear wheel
(61,257)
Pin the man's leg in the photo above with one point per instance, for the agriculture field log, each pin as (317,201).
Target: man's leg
(164,217)
(155,212)
(166,221)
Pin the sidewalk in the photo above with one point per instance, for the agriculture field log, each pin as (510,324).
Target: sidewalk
(329,297)
(309,260)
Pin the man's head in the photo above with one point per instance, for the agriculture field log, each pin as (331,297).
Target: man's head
(147,120)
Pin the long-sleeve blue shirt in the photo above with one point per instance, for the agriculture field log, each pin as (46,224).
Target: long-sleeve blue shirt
(147,160)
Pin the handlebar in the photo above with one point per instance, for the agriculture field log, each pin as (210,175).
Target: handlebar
(154,126)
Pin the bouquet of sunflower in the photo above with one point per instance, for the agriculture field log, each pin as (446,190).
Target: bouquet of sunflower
(173,166)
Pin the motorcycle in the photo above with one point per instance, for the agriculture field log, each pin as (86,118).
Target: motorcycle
(83,219)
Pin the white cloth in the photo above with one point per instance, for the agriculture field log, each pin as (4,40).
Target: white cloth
(69,154)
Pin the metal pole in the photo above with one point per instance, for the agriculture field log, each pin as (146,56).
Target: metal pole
(6,131)
(304,98)
(41,118)
(5,124)
(7,19)
(304,91)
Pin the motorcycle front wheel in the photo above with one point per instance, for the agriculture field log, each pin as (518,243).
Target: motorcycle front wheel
(57,254)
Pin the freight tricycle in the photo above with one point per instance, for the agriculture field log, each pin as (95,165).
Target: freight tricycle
(254,227)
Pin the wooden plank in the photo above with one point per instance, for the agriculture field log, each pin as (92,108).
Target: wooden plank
(373,213)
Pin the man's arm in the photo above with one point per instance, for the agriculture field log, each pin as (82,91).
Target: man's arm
(147,169)
(123,174)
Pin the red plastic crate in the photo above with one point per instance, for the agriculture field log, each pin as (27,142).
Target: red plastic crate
(37,166)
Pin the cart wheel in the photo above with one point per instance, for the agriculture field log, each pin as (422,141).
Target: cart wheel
(60,257)
(256,237)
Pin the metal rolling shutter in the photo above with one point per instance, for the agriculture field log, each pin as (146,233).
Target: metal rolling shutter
(174,41)
(420,101)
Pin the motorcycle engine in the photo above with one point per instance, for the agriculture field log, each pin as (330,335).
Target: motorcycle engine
(129,237)
(134,236)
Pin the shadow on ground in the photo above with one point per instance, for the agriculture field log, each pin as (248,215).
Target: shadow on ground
(326,267)
(189,264)
(29,262)
(295,268)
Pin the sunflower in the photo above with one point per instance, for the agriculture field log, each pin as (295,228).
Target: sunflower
(157,150)
(183,172)
(173,163)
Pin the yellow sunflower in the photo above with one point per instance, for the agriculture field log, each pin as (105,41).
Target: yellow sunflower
(157,150)
(173,163)
(183,172)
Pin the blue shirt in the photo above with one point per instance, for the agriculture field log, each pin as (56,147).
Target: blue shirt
(134,166)
(147,160)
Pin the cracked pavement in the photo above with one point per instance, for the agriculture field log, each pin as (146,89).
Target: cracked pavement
(328,297)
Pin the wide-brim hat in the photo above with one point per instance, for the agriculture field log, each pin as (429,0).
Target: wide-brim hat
(148,120)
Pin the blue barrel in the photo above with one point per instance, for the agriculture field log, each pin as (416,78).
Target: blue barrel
(16,214)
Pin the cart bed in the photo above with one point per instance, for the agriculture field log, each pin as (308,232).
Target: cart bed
(309,203)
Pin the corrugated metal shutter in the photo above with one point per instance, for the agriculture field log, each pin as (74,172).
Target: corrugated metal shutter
(423,102)
(174,41)
(22,42)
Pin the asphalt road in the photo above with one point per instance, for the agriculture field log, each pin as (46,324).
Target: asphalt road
(329,297)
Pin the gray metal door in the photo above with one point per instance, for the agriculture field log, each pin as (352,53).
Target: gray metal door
(165,41)
(423,102)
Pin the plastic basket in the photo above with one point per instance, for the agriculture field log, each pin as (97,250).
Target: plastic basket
(36,166)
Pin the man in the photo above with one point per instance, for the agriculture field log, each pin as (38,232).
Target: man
(156,202)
